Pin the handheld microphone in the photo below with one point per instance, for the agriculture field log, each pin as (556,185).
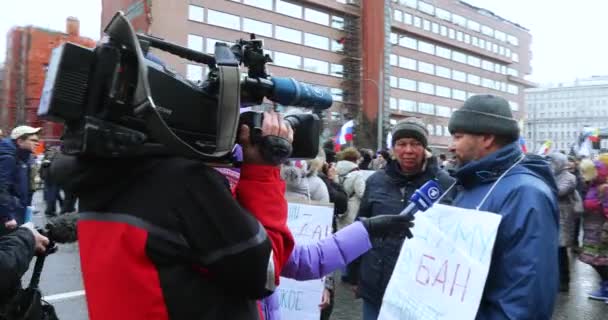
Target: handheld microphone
(423,198)
(62,229)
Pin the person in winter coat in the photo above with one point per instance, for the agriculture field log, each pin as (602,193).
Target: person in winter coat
(366,159)
(566,187)
(595,224)
(163,236)
(17,248)
(388,192)
(15,153)
(495,176)
(352,180)
(337,195)
(303,182)
(315,260)
(382,158)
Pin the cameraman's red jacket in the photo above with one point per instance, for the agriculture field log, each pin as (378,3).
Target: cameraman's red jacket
(176,245)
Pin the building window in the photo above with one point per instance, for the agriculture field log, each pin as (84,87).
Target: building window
(443,111)
(337,22)
(336,46)
(408,42)
(438,130)
(407,63)
(443,91)
(287,60)
(426,8)
(515,57)
(459,36)
(315,41)
(512,89)
(426,67)
(417,22)
(444,52)
(426,47)
(314,65)
(443,72)
(426,88)
(443,30)
(426,25)
(337,70)
(512,40)
(459,95)
(474,61)
(393,103)
(195,42)
(459,57)
(257,27)
(398,15)
(435,27)
(194,72)
(467,38)
(337,94)
(222,19)
(316,16)
(487,65)
(459,76)
(264,4)
(407,105)
(426,108)
(407,84)
(287,34)
(407,18)
(443,14)
(394,38)
(473,25)
(459,20)
(289,9)
(473,79)
(394,60)
(394,82)
(451,33)
(487,31)
(196,13)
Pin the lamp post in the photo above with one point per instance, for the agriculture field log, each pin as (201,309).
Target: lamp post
(380,112)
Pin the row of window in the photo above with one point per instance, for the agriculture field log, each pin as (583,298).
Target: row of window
(435,90)
(584,93)
(262,28)
(453,74)
(297,11)
(454,34)
(569,104)
(405,105)
(449,54)
(459,20)
(434,130)
(569,125)
(561,114)
(280,58)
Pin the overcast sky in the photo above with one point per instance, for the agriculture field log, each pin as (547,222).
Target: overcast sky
(568,36)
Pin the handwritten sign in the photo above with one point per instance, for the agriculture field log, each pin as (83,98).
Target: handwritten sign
(300,299)
(441,272)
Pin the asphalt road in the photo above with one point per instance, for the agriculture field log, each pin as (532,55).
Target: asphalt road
(61,284)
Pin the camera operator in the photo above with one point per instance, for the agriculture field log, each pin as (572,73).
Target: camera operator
(161,237)
(17,249)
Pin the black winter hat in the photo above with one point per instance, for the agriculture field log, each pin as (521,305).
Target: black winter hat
(410,128)
(485,114)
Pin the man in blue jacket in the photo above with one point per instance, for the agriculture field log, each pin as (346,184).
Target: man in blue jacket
(495,176)
(15,153)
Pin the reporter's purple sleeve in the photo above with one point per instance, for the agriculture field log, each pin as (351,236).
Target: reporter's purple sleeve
(315,260)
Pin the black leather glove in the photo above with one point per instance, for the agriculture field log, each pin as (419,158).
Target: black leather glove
(389,226)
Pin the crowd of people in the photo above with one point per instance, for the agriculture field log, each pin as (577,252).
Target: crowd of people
(181,213)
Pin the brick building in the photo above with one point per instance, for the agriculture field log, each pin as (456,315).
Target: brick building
(28,52)
(381,59)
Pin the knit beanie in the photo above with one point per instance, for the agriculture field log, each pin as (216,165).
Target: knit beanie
(485,114)
(410,127)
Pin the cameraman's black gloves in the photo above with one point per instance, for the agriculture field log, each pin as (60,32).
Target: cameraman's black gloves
(389,226)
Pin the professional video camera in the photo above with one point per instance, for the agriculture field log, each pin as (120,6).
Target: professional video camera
(116,102)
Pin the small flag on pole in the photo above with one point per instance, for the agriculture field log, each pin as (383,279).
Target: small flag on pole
(346,133)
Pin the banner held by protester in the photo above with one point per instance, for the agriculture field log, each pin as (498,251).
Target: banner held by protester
(441,272)
(308,223)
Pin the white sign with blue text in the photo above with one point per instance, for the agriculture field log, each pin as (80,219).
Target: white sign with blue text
(442,271)
(308,224)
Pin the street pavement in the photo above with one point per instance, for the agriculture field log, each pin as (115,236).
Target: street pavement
(61,284)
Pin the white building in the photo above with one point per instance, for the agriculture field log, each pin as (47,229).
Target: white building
(559,113)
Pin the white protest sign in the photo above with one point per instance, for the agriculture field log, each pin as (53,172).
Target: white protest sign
(442,271)
(300,299)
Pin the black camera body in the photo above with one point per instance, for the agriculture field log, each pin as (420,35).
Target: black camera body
(117,100)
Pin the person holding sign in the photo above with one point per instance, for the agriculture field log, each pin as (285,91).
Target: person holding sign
(387,192)
(495,176)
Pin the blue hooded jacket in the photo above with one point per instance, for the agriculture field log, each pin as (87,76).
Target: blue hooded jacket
(523,278)
(14,181)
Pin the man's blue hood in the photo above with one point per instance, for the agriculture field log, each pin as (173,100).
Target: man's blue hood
(491,167)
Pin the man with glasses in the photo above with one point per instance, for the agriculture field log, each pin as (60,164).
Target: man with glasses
(15,166)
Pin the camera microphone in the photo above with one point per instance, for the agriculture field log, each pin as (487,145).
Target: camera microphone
(423,198)
(62,229)
(290,92)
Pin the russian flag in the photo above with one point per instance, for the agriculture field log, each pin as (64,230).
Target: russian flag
(522,144)
(346,133)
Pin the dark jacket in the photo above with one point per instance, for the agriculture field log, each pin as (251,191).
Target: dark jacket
(384,195)
(523,277)
(163,238)
(14,181)
(16,252)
